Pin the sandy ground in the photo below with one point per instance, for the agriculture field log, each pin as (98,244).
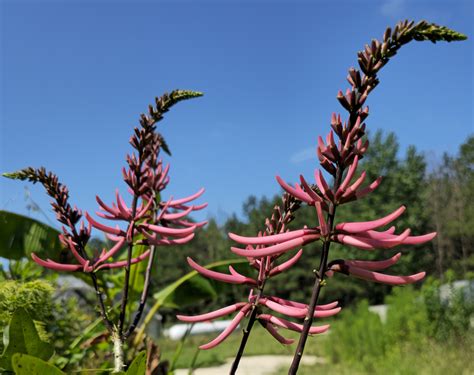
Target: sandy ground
(253,365)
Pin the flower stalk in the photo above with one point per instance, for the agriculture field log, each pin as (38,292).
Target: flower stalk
(150,222)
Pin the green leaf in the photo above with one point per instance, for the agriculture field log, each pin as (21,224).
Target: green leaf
(24,364)
(138,366)
(23,338)
(21,235)
(193,290)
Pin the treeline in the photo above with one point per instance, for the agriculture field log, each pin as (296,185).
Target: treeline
(438,198)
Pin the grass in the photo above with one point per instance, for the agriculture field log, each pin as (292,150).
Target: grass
(431,359)
(259,343)
(406,359)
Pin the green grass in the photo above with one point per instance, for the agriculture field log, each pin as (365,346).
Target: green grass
(431,359)
(260,342)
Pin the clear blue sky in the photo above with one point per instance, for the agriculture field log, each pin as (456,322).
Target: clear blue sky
(76,74)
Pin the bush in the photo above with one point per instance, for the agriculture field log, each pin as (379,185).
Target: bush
(422,334)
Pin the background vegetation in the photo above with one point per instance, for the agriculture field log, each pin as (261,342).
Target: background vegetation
(422,334)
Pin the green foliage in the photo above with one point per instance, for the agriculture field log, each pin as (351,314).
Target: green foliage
(33,296)
(24,364)
(449,319)
(20,236)
(22,337)
(418,324)
(360,335)
(138,366)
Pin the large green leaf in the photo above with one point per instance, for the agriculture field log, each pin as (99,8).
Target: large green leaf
(138,366)
(24,364)
(21,235)
(22,337)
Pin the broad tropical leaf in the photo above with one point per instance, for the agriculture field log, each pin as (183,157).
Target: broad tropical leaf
(21,235)
(23,338)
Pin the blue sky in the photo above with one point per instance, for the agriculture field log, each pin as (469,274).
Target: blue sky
(76,74)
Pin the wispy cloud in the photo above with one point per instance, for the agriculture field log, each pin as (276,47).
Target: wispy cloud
(303,155)
(393,8)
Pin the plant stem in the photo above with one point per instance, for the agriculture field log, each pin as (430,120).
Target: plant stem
(308,321)
(123,306)
(144,294)
(245,337)
(118,352)
(247,330)
(100,300)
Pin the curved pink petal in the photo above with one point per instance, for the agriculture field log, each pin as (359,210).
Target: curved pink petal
(322,221)
(322,185)
(177,215)
(385,279)
(296,193)
(416,240)
(108,217)
(294,312)
(213,314)
(286,302)
(326,313)
(297,312)
(103,227)
(72,247)
(55,266)
(310,191)
(122,207)
(164,175)
(369,189)
(351,190)
(385,235)
(123,263)
(230,328)
(248,280)
(154,240)
(374,265)
(186,223)
(327,306)
(231,279)
(167,231)
(367,243)
(350,173)
(187,199)
(363,226)
(285,265)
(114,212)
(143,210)
(300,305)
(273,239)
(195,207)
(276,249)
(292,326)
(112,251)
(272,330)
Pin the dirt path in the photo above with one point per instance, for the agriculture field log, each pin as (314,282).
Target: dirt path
(253,365)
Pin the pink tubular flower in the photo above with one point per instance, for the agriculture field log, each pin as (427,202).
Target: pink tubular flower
(269,322)
(363,236)
(365,270)
(262,252)
(86,265)
(168,226)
